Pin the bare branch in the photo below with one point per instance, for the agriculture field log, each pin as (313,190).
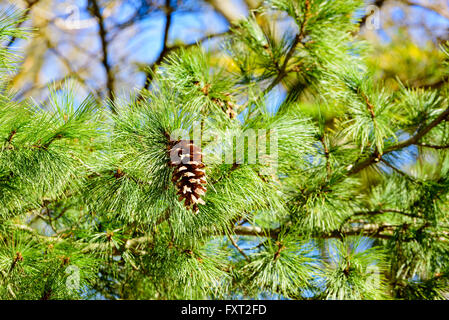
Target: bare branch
(96,12)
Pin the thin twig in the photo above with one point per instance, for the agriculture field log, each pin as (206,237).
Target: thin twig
(432,146)
(298,38)
(238,248)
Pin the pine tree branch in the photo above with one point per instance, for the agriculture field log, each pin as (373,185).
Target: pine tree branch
(422,132)
(382,211)
(400,172)
(326,155)
(11,292)
(47,144)
(282,71)
(238,248)
(16,259)
(369,106)
(432,146)
(298,38)
(412,140)
(10,137)
(373,230)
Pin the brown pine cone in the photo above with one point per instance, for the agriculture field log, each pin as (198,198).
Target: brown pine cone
(189,173)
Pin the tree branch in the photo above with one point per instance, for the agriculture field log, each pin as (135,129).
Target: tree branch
(96,12)
(412,140)
(165,48)
(382,211)
(298,38)
(238,248)
(432,146)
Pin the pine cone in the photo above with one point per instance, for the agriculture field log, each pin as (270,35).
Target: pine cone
(189,174)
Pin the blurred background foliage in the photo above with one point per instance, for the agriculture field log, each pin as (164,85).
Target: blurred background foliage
(108,45)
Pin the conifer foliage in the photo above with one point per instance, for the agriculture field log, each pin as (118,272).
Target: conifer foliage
(340,191)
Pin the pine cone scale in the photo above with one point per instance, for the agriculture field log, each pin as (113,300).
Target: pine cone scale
(189,175)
